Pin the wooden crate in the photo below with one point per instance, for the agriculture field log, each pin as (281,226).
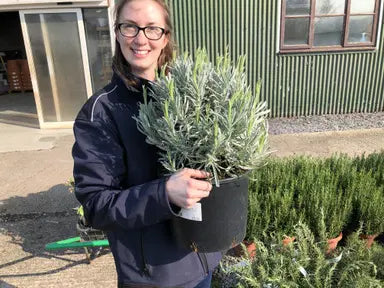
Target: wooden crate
(19,78)
(14,75)
(25,75)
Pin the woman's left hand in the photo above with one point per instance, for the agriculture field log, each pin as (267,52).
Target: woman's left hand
(186,187)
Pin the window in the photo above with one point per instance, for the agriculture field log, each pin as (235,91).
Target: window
(322,25)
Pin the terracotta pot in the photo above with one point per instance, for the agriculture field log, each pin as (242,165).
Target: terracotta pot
(332,243)
(369,239)
(287,240)
(251,249)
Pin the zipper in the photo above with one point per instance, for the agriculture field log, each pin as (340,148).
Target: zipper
(204,263)
(144,267)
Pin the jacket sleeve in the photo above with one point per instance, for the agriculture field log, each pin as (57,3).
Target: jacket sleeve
(98,172)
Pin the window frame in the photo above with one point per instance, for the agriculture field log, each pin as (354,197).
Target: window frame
(345,46)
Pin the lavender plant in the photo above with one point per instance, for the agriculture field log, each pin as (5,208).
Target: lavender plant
(205,116)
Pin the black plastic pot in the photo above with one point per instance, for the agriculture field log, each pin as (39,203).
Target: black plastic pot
(224,215)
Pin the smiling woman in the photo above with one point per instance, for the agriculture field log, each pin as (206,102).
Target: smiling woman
(136,25)
(117,176)
(140,51)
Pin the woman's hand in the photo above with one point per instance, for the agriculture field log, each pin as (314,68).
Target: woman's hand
(184,189)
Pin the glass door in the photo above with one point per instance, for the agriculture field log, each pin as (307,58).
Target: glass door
(57,56)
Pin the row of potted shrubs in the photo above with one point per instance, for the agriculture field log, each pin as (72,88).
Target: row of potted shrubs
(312,199)
(304,264)
(342,191)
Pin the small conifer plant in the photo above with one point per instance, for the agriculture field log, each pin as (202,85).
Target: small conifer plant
(205,116)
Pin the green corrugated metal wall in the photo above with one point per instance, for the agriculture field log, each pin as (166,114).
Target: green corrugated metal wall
(296,84)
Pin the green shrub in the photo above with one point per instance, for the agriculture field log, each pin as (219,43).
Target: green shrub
(304,263)
(369,203)
(357,260)
(272,200)
(323,193)
(341,190)
(374,163)
(377,252)
(300,188)
(369,193)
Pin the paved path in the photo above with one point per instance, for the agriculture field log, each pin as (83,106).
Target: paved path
(36,206)
(35,209)
(352,142)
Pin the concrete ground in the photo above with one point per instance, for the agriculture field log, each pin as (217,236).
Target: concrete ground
(36,207)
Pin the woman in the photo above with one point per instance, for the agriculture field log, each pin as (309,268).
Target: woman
(116,171)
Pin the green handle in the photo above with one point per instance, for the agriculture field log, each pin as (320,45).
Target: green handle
(75,243)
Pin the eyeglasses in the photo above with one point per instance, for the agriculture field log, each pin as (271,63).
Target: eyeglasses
(131,30)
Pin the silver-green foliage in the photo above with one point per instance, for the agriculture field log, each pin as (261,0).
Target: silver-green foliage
(304,263)
(205,116)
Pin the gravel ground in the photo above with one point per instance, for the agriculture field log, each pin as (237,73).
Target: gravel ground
(323,123)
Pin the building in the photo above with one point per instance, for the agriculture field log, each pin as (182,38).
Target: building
(312,56)
(68,47)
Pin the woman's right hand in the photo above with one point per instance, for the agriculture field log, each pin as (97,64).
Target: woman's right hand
(186,187)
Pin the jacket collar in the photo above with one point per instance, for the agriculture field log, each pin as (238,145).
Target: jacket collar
(130,81)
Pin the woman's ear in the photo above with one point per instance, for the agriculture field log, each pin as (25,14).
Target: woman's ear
(166,40)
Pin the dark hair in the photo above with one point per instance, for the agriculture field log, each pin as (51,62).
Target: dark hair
(121,66)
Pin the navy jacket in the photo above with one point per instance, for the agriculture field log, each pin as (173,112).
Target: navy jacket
(117,181)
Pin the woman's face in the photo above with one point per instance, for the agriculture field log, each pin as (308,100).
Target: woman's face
(140,52)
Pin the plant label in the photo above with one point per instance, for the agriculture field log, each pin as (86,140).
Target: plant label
(193,213)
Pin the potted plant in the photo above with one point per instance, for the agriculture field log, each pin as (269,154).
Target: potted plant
(369,205)
(205,116)
(323,197)
(304,264)
(271,204)
(272,200)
